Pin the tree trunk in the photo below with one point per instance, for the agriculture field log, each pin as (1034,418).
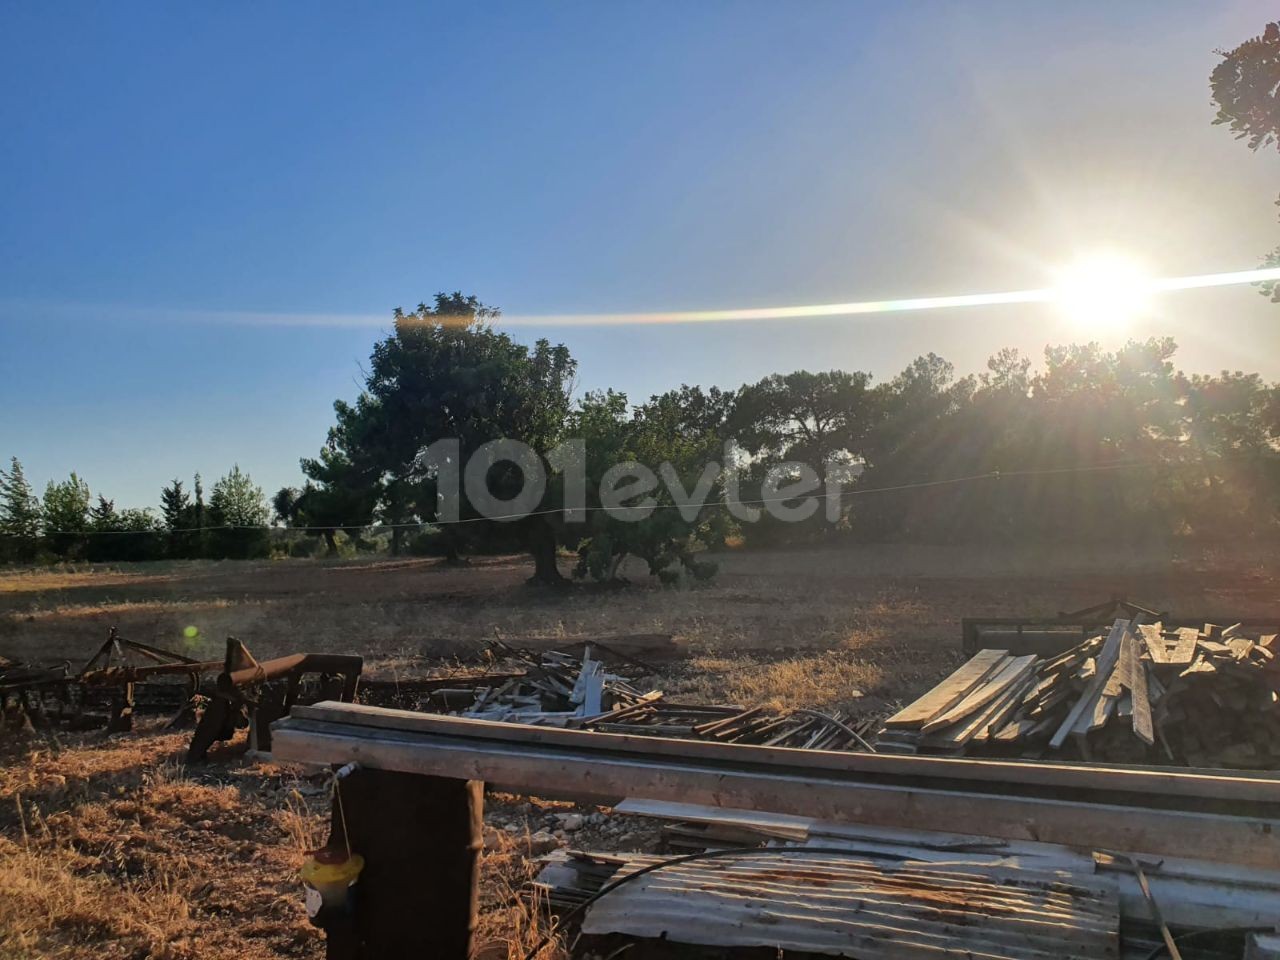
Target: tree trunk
(452,555)
(613,567)
(396,533)
(331,538)
(542,544)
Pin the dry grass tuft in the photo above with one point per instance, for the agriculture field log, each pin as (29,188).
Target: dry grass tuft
(511,921)
(110,847)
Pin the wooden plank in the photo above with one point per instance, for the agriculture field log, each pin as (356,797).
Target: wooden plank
(1201,665)
(1184,651)
(1095,718)
(950,692)
(554,772)
(1011,672)
(1241,647)
(1133,674)
(998,718)
(1153,639)
(1232,785)
(1089,699)
(1015,730)
(975,726)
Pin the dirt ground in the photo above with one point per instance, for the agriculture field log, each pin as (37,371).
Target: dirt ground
(110,847)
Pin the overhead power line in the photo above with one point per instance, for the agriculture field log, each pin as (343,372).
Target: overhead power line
(757,502)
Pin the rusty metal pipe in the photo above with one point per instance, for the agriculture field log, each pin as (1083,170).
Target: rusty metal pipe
(108,676)
(345,664)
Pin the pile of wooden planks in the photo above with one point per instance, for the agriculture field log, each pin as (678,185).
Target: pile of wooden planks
(1196,696)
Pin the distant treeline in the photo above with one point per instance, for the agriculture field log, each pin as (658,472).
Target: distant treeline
(1094,445)
(68,523)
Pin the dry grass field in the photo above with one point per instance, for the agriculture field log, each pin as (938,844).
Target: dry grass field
(109,847)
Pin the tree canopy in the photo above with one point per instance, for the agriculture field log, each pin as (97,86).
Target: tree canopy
(1246,90)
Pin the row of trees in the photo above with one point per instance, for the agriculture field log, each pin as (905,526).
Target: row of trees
(67,522)
(1096,444)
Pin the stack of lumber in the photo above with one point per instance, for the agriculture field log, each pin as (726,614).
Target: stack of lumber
(1140,693)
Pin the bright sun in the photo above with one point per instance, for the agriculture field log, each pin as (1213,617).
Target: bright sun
(1103,290)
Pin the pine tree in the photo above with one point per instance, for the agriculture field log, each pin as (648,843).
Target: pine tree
(19,513)
(239,511)
(103,516)
(200,512)
(175,506)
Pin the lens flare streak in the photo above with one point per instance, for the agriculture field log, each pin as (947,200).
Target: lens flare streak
(1155,285)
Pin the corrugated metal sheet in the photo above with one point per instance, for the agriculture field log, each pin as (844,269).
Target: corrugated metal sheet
(867,909)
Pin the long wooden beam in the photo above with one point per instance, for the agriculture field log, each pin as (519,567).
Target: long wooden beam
(1159,786)
(595,769)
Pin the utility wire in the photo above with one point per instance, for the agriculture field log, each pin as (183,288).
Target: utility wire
(837,494)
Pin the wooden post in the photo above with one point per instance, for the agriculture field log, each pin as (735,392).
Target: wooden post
(420,837)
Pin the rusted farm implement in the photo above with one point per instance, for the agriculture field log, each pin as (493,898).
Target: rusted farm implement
(218,696)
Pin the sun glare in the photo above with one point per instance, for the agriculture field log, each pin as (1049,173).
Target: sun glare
(1103,290)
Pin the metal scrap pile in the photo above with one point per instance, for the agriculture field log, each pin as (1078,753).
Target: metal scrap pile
(1202,697)
(559,689)
(810,887)
(553,688)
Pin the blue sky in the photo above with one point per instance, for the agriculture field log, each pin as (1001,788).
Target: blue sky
(207,212)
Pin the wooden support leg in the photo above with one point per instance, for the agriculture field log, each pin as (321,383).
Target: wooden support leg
(420,838)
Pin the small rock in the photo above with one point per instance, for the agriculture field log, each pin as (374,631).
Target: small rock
(570,822)
(542,842)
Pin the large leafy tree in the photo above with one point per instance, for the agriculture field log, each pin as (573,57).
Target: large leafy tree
(239,514)
(678,436)
(66,514)
(818,420)
(1246,90)
(327,509)
(236,501)
(445,373)
(66,506)
(813,418)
